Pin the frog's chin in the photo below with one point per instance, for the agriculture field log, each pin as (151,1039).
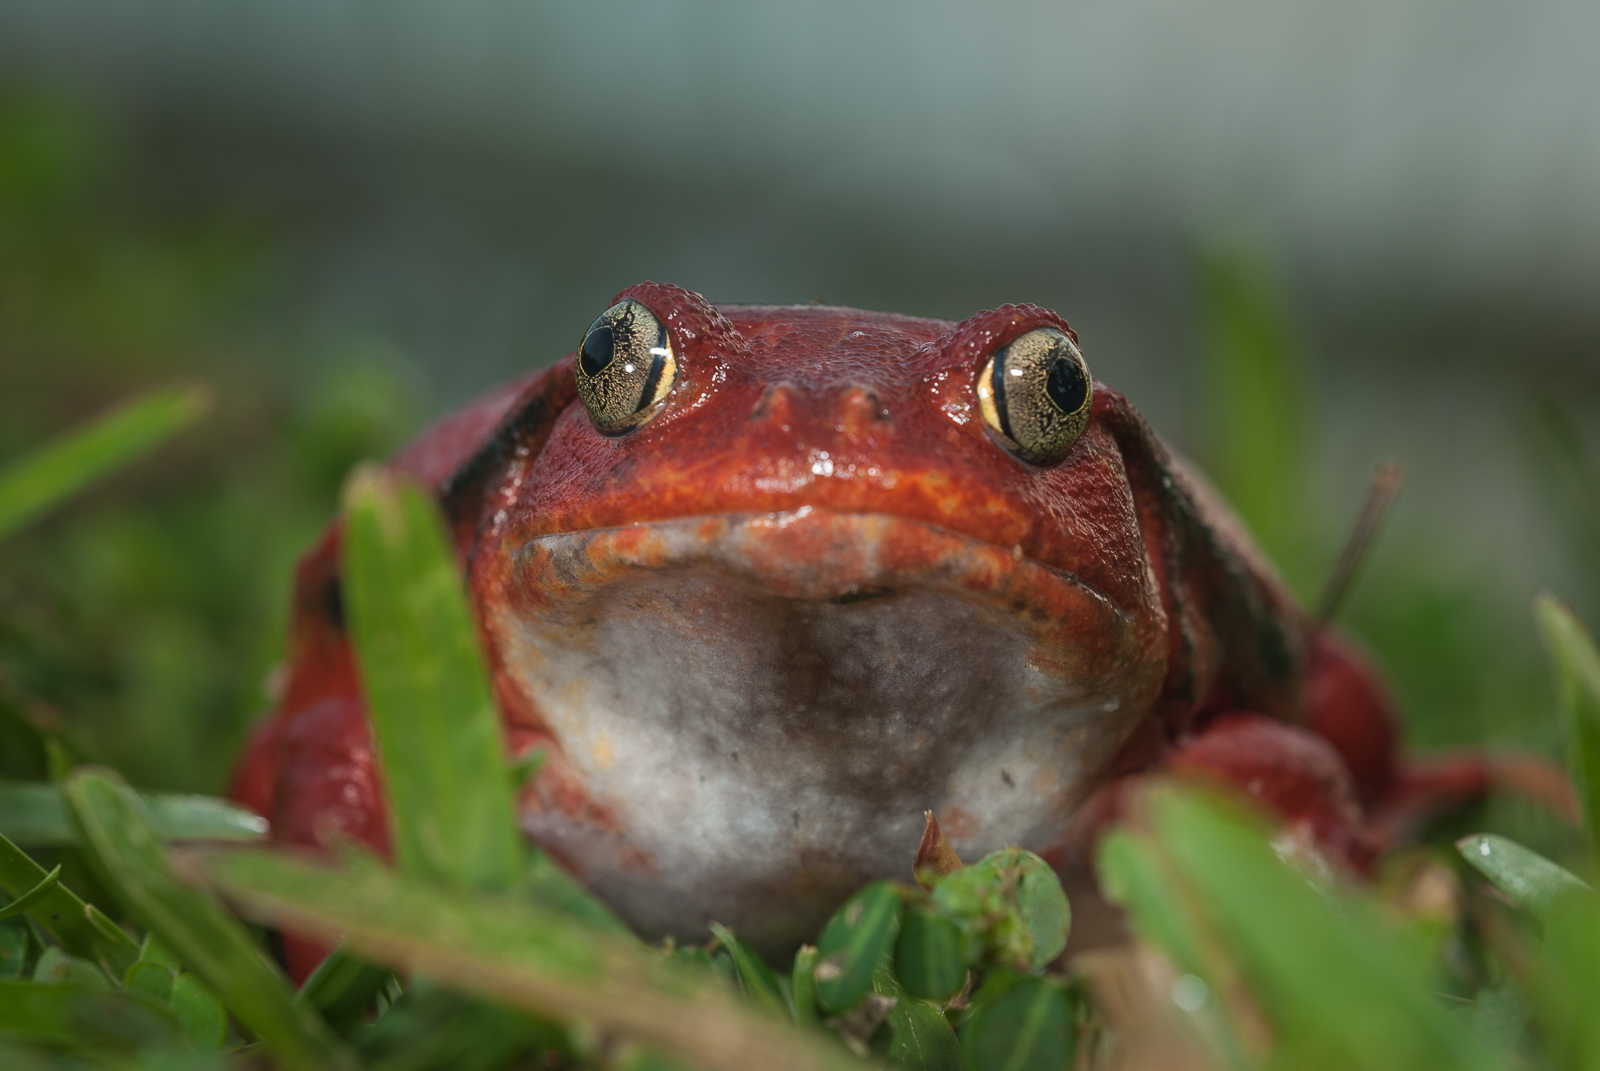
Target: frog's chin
(752,712)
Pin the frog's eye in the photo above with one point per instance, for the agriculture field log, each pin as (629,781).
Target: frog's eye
(1034,394)
(625,367)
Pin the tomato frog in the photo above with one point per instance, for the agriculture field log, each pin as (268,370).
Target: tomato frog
(766,583)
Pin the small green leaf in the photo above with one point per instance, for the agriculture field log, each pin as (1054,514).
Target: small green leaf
(857,938)
(343,987)
(803,986)
(1020,1024)
(35,815)
(118,840)
(31,485)
(77,926)
(153,951)
(151,979)
(930,956)
(427,689)
(1576,667)
(920,1036)
(199,1013)
(1524,875)
(56,967)
(754,974)
(1011,907)
(1042,903)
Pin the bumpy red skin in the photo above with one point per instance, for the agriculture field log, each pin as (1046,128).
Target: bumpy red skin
(1250,693)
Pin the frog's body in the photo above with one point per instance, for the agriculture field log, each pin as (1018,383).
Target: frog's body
(811,597)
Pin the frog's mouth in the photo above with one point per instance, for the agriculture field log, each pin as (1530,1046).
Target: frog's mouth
(752,711)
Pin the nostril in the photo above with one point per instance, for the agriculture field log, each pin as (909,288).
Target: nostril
(859,406)
(776,402)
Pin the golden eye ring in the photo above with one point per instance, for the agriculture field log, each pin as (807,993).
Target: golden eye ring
(625,368)
(1035,394)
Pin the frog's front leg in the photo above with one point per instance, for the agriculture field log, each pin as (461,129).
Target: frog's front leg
(1341,776)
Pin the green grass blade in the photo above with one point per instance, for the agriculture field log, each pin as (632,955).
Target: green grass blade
(759,982)
(1566,979)
(75,925)
(342,988)
(1343,986)
(1576,668)
(803,986)
(1255,408)
(427,689)
(557,890)
(1134,876)
(191,817)
(25,902)
(506,950)
(31,485)
(1524,875)
(116,836)
(35,815)
(430,1027)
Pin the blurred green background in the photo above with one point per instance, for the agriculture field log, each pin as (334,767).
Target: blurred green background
(1302,240)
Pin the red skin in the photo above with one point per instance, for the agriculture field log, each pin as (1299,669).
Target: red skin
(1246,690)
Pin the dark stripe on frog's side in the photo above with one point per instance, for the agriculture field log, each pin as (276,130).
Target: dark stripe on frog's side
(527,423)
(1236,638)
(333,602)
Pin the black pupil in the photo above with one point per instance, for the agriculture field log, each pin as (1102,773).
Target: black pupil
(1067,385)
(599,347)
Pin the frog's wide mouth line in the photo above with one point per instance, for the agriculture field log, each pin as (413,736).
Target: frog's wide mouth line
(805,553)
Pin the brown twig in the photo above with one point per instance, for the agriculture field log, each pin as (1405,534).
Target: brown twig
(1380,496)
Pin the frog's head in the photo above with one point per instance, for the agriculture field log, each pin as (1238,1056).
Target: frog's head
(776,580)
